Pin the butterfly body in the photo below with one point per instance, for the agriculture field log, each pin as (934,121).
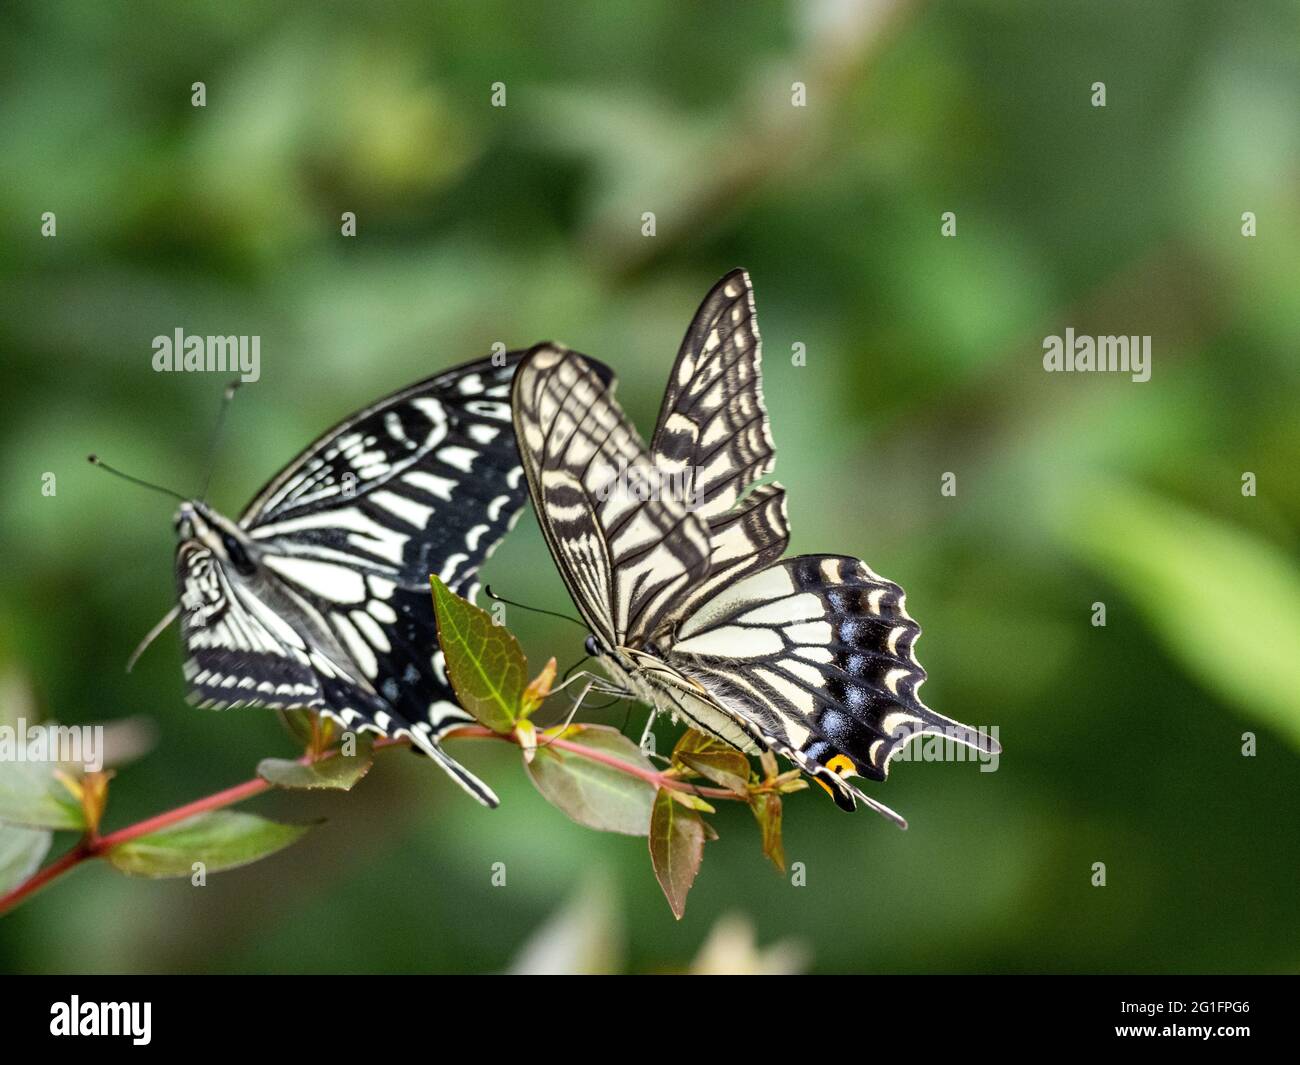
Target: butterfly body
(669,689)
(693,608)
(318,596)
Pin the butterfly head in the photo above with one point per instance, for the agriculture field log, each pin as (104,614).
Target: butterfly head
(195,520)
(621,658)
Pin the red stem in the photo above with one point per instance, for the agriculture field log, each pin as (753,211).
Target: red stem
(38,880)
(95,846)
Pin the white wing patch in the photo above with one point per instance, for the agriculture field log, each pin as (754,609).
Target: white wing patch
(323,579)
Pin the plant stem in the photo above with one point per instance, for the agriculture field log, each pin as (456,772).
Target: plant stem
(39,879)
(95,846)
(659,779)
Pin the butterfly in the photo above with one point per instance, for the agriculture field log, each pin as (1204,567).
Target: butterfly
(673,555)
(318,596)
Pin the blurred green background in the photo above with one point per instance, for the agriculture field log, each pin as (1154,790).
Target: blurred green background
(478,224)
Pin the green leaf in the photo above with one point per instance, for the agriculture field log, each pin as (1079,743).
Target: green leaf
(767,811)
(714,760)
(1167,558)
(485,664)
(220,839)
(21,852)
(339,772)
(691,801)
(31,795)
(298,723)
(676,849)
(592,793)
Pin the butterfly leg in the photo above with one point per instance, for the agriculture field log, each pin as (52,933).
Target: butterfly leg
(648,731)
(577,703)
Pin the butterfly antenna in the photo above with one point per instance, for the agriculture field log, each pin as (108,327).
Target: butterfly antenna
(95,460)
(487,590)
(214,445)
(152,635)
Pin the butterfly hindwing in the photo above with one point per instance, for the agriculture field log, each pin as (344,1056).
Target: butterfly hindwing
(237,653)
(818,651)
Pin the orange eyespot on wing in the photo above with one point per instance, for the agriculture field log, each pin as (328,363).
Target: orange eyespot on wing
(841,765)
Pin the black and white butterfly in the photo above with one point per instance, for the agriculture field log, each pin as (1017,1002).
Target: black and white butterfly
(318,596)
(692,608)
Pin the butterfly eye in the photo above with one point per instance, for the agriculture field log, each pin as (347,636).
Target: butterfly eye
(592,646)
(236,553)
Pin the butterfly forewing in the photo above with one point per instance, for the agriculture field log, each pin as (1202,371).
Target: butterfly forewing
(713,424)
(424,481)
(713,420)
(627,560)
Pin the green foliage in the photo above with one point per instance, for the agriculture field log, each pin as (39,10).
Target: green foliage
(339,772)
(1225,602)
(220,839)
(484,661)
(590,792)
(767,811)
(38,795)
(22,850)
(594,774)
(677,837)
(714,760)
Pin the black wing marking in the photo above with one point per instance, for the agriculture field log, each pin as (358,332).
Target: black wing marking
(816,654)
(627,561)
(338,616)
(424,481)
(713,423)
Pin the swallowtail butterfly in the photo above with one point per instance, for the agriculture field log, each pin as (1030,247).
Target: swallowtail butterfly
(691,606)
(318,596)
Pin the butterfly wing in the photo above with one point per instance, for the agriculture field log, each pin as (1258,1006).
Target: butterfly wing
(627,561)
(815,656)
(424,481)
(239,651)
(713,423)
